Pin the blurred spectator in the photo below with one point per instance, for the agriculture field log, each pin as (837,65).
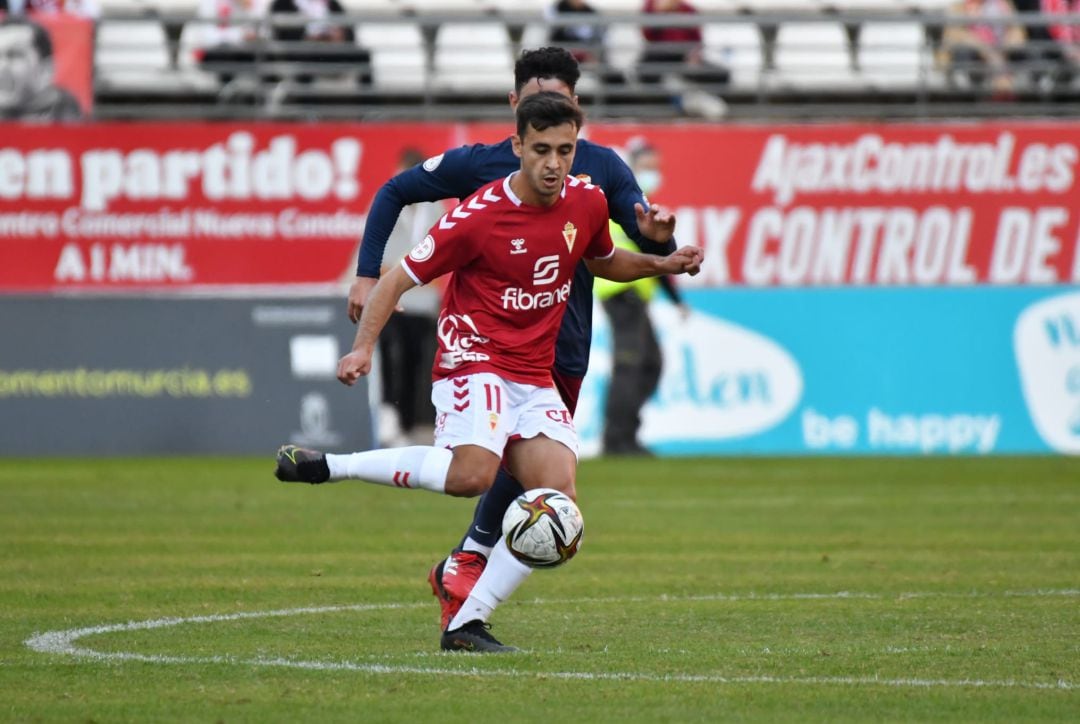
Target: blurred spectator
(231,41)
(636,357)
(407,344)
(82,8)
(27,90)
(1054,48)
(674,56)
(986,51)
(584,41)
(337,40)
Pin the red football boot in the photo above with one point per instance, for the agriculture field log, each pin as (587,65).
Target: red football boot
(453,579)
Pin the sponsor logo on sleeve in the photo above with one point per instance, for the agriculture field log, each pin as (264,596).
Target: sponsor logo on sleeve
(423,251)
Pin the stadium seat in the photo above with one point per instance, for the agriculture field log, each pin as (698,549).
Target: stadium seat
(473,57)
(931,6)
(397,55)
(615,7)
(437,7)
(813,55)
(535,35)
(737,47)
(132,53)
(779,6)
(892,55)
(623,43)
(716,6)
(187,63)
(515,7)
(893,7)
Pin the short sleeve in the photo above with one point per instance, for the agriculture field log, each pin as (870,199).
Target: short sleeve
(448,246)
(600,243)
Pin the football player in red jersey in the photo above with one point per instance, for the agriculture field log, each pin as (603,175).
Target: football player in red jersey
(513,246)
(457,173)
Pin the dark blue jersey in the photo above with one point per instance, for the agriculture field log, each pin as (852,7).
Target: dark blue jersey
(461,171)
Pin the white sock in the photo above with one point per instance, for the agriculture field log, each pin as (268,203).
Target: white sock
(474,547)
(502,576)
(419,466)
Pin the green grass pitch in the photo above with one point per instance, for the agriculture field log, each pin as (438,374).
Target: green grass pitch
(706,590)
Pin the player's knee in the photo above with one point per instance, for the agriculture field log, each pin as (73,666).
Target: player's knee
(468,483)
(568,489)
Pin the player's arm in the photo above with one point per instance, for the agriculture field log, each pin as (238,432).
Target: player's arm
(412,186)
(650,226)
(380,305)
(628,266)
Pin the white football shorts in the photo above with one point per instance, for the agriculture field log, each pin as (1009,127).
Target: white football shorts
(486,410)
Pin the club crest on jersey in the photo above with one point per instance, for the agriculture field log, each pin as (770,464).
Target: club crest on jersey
(423,250)
(584,177)
(519,246)
(569,233)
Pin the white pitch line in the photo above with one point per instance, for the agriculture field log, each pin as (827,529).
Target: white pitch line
(63,642)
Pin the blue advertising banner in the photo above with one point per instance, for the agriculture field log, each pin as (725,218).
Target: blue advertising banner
(881,371)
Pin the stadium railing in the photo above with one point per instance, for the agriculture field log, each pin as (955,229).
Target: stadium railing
(819,60)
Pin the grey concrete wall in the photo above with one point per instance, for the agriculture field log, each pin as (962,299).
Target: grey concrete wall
(130,376)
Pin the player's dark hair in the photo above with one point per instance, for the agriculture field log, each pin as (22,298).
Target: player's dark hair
(549,62)
(41,40)
(546,109)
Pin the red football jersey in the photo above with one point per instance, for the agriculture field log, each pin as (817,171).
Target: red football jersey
(513,266)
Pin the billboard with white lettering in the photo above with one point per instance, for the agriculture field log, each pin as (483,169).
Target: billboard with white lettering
(137,206)
(867,288)
(172,375)
(858,371)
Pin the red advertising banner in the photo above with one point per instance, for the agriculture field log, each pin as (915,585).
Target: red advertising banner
(113,206)
(929,204)
(160,205)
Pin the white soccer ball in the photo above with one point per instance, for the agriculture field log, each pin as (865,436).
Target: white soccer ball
(543,528)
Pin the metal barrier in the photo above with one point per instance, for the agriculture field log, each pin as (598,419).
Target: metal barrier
(819,64)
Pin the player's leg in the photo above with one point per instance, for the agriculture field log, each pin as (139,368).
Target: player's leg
(539,462)
(453,578)
(466,471)
(487,518)
(476,436)
(545,456)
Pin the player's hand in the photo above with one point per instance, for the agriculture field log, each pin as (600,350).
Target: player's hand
(684,260)
(358,296)
(353,366)
(656,222)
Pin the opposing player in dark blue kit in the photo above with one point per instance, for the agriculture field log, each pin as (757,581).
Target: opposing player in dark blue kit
(459,172)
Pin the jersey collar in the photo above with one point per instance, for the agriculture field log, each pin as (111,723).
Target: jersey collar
(513,197)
